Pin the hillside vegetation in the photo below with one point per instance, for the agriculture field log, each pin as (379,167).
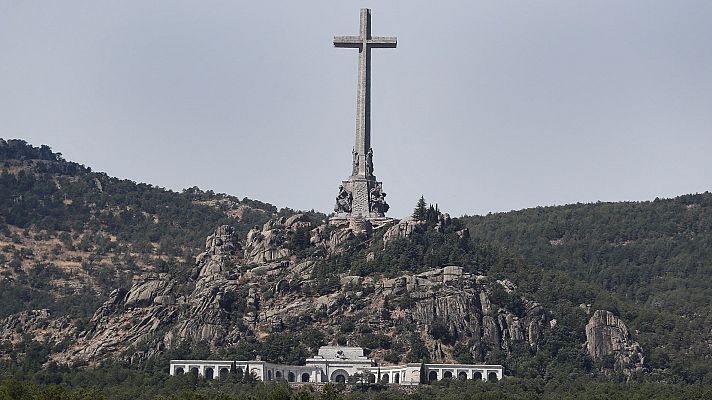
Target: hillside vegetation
(68,236)
(653,259)
(522,288)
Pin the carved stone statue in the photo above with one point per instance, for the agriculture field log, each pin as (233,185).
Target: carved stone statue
(343,201)
(355,162)
(378,201)
(369,163)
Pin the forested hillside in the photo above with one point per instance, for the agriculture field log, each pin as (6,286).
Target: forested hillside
(653,258)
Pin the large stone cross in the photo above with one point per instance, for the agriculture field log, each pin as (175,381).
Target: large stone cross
(364,42)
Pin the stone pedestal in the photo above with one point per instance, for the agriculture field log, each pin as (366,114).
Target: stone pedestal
(366,196)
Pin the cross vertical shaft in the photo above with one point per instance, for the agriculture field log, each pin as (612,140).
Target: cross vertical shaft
(364,42)
(361,196)
(363,101)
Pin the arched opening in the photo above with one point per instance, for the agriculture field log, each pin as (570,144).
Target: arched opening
(269,375)
(371,378)
(291,377)
(432,376)
(209,373)
(278,375)
(477,376)
(223,373)
(385,378)
(179,371)
(305,377)
(447,375)
(492,377)
(462,375)
(194,370)
(339,376)
(396,378)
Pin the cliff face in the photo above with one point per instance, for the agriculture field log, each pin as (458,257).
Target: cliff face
(609,343)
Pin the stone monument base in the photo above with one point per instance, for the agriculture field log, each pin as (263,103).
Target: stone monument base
(360,224)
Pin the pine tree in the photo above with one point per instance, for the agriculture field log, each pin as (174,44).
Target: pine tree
(431,215)
(423,376)
(233,372)
(420,212)
(329,392)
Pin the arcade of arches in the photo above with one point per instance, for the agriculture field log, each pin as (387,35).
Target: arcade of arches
(340,365)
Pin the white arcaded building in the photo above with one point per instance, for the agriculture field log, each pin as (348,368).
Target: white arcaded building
(337,364)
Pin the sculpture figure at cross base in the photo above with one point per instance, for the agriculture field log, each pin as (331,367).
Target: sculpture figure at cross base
(361,196)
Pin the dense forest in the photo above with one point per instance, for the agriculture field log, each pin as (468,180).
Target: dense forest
(652,260)
(69,236)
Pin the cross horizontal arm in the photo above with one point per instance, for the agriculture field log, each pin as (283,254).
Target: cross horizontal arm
(383,41)
(357,41)
(347,41)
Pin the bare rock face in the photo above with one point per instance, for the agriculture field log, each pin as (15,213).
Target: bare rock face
(332,240)
(458,306)
(205,314)
(150,307)
(220,249)
(126,318)
(297,221)
(402,229)
(270,243)
(608,338)
(143,293)
(337,239)
(223,242)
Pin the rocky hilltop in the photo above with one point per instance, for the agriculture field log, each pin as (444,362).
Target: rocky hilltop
(249,289)
(259,275)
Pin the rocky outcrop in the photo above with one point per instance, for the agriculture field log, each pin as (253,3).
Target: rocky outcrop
(150,307)
(403,229)
(270,243)
(238,294)
(144,292)
(332,239)
(220,249)
(455,305)
(205,315)
(609,343)
(126,319)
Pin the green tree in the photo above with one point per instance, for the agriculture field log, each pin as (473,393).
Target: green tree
(329,392)
(301,395)
(421,210)
(279,392)
(423,373)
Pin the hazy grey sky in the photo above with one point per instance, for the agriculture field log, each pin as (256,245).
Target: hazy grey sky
(484,106)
